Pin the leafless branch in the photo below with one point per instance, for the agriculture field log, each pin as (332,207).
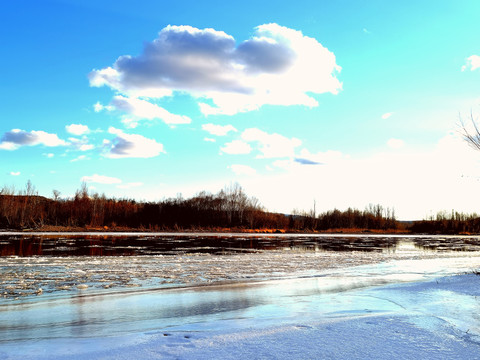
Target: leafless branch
(471,137)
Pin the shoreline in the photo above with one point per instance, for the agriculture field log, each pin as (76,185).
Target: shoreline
(61,229)
(243,231)
(224,233)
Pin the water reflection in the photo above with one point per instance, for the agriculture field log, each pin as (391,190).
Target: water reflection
(111,245)
(81,317)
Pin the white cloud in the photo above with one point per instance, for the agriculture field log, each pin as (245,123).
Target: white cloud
(101,179)
(79,158)
(142,109)
(473,63)
(132,146)
(208,64)
(77,129)
(98,107)
(16,138)
(209,139)
(15,173)
(47,139)
(236,147)
(130,123)
(218,130)
(49,155)
(8,146)
(242,169)
(130,185)
(81,144)
(395,143)
(386,115)
(271,145)
(86,147)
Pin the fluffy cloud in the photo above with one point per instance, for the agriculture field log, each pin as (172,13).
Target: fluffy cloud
(386,115)
(142,109)
(277,66)
(15,173)
(16,138)
(97,107)
(101,179)
(77,129)
(8,146)
(473,63)
(218,130)
(271,145)
(236,147)
(242,169)
(131,146)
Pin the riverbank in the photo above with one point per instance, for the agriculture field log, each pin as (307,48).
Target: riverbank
(239,230)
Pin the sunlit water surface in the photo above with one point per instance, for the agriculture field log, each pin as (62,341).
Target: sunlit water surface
(166,281)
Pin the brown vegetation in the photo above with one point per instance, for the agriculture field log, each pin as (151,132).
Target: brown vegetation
(449,223)
(228,210)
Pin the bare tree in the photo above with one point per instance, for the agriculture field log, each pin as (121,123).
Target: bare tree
(7,208)
(472,135)
(56,194)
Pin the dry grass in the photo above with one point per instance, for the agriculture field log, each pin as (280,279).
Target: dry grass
(51,228)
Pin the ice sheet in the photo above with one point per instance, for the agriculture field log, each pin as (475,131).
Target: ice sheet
(274,320)
(44,276)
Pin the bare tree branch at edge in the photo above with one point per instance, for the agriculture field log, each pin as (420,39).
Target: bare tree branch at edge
(473,139)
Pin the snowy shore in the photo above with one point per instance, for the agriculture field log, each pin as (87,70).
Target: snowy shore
(292,319)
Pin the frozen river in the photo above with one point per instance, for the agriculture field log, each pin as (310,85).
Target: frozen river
(185,289)
(34,267)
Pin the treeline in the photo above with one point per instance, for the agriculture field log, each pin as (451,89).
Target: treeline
(229,208)
(374,217)
(448,223)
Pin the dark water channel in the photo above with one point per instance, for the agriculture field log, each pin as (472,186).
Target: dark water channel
(63,245)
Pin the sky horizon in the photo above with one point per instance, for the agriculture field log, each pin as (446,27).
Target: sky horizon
(344,104)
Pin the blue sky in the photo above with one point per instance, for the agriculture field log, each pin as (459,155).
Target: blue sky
(342,102)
